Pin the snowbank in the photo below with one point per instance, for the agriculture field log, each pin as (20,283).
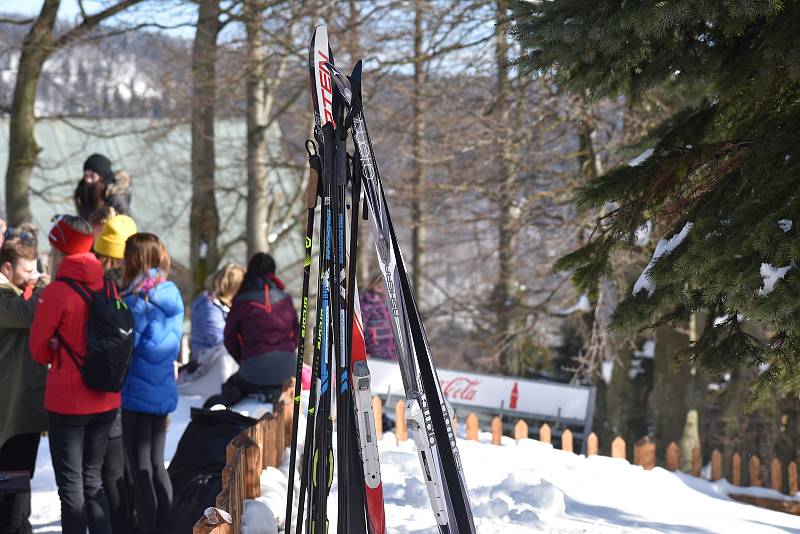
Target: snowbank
(514,489)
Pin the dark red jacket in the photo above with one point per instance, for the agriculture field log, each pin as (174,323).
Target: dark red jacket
(261,321)
(61,309)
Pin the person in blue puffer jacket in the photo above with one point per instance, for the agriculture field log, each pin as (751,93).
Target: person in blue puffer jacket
(150,392)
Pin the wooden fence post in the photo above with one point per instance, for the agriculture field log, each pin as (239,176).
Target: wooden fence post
(696,462)
(251,454)
(269,452)
(566,440)
(377,412)
(280,437)
(400,430)
(754,467)
(545,436)
(736,469)
(792,478)
(673,457)
(716,465)
(497,430)
(214,521)
(472,427)
(592,445)
(521,430)
(644,453)
(618,448)
(776,475)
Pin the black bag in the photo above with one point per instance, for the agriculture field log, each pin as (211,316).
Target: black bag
(109,337)
(196,469)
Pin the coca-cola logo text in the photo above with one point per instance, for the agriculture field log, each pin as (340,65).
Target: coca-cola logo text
(460,387)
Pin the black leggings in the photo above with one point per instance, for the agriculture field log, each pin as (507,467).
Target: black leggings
(236,388)
(145,437)
(77,446)
(115,486)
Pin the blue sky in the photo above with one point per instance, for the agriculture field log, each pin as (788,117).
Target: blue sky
(166,12)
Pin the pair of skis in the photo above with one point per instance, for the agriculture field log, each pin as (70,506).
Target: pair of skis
(338,110)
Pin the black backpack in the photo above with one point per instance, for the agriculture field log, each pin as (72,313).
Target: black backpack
(109,337)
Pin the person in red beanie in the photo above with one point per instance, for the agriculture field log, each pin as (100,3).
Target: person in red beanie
(79,418)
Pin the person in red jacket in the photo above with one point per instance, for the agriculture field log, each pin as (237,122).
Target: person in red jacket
(79,418)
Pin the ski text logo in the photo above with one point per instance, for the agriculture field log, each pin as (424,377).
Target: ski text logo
(460,388)
(326,89)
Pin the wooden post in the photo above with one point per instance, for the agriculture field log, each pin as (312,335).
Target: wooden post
(280,437)
(592,445)
(792,478)
(214,521)
(497,430)
(644,453)
(736,469)
(472,427)
(377,412)
(776,475)
(400,430)
(566,440)
(271,430)
(244,445)
(521,430)
(673,457)
(618,448)
(716,465)
(696,462)
(754,467)
(545,435)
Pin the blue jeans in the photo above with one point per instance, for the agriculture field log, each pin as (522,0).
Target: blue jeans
(77,446)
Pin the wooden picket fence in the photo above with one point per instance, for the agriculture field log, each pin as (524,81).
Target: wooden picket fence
(247,455)
(263,444)
(644,454)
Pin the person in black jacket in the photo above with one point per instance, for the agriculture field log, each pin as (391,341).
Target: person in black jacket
(100,186)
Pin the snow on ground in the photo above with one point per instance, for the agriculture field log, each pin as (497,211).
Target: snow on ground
(514,488)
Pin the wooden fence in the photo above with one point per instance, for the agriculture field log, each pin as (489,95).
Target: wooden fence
(263,444)
(644,454)
(247,455)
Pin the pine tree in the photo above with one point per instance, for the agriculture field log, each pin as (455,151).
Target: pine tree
(725,169)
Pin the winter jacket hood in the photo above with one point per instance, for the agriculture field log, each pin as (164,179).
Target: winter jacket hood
(62,313)
(158,325)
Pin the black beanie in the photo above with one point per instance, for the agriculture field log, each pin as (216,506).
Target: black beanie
(101,165)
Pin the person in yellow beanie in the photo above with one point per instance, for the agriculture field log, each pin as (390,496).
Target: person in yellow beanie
(109,247)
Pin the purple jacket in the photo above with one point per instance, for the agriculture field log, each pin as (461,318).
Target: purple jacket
(378,335)
(261,321)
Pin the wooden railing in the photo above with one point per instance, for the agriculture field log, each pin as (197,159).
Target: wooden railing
(247,455)
(263,444)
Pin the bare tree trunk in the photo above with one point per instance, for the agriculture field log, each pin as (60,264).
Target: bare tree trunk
(258,103)
(38,45)
(418,176)
(22,147)
(204,218)
(505,222)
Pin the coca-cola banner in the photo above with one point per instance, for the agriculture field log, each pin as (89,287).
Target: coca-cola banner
(526,397)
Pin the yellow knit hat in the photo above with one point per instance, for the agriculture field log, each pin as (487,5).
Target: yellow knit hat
(111,241)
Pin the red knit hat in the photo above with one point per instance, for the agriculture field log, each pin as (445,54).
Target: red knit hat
(69,240)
